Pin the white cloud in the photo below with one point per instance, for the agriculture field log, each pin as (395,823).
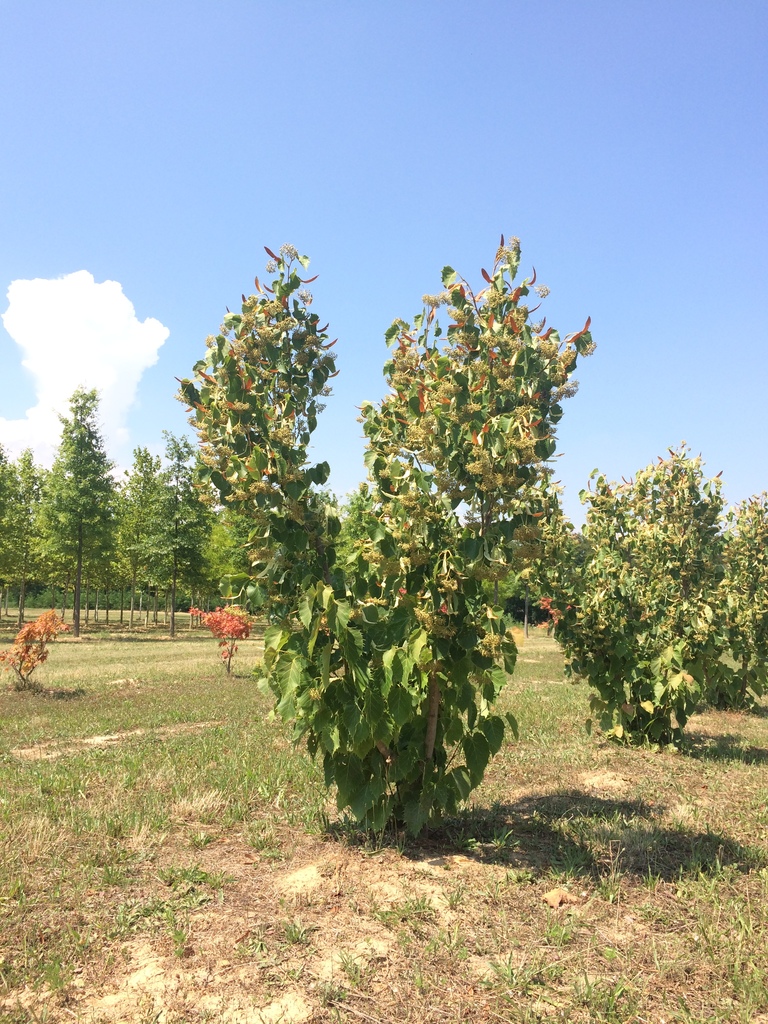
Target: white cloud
(73,332)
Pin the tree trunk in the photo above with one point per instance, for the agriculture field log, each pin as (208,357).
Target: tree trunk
(525,620)
(96,607)
(154,610)
(78,583)
(23,593)
(133,602)
(433,708)
(87,600)
(173,599)
(106,603)
(122,603)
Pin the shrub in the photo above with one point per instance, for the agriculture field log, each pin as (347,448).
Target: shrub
(30,648)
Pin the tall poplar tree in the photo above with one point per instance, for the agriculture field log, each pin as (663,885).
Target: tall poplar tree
(78,506)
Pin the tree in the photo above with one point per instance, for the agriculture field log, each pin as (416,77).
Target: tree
(641,619)
(6,534)
(139,506)
(24,483)
(746,599)
(184,522)
(389,665)
(78,507)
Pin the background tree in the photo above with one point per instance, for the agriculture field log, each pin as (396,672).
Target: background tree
(78,506)
(22,523)
(389,665)
(184,521)
(6,535)
(642,618)
(745,594)
(140,507)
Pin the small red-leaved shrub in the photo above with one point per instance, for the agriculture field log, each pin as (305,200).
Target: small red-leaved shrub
(228,625)
(30,648)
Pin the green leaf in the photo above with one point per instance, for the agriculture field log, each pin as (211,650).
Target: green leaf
(493,730)
(400,705)
(306,604)
(477,753)
(460,779)
(448,276)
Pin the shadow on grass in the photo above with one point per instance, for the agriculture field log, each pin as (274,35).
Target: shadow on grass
(572,834)
(63,694)
(48,693)
(724,747)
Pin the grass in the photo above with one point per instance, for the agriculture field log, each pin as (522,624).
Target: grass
(159,839)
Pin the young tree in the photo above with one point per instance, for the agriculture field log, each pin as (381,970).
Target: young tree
(389,666)
(78,501)
(642,618)
(30,648)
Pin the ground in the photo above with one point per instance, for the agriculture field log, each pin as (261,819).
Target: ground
(166,856)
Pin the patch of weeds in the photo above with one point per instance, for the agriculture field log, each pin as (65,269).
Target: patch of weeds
(557,932)
(189,879)
(263,838)
(254,944)
(179,932)
(115,828)
(605,1000)
(520,876)
(609,884)
(450,939)
(518,978)
(574,860)
(56,975)
(200,840)
(504,839)
(297,933)
(114,874)
(329,993)
(132,914)
(455,897)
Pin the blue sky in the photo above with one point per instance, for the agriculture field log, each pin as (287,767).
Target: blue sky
(161,145)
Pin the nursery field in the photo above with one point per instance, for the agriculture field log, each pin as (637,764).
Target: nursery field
(166,856)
